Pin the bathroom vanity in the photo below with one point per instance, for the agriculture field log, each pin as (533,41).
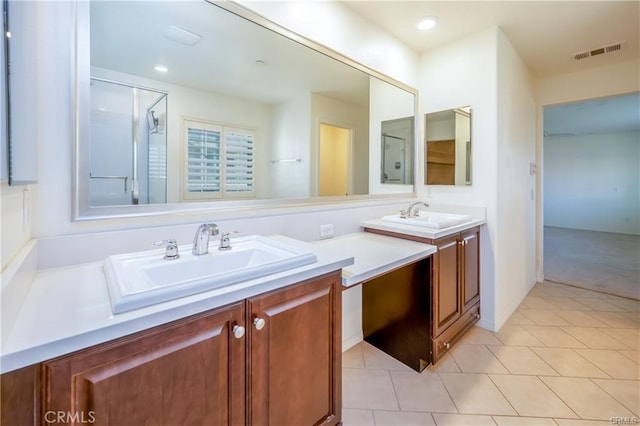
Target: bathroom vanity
(455,284)
(271,356)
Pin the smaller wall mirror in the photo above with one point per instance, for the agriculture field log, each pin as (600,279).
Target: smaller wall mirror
(448,147)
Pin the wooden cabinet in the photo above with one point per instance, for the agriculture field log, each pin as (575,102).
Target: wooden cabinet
(296,357)
(455,286)
(274,359)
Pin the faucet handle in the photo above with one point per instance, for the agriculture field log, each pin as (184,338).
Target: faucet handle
(171,252)
(403,214)
(225,243)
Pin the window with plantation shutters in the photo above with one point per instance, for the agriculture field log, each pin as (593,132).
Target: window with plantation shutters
(219,161)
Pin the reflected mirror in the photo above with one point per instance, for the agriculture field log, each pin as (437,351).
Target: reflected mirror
(189,102)
(397,151)
(19,109)
(448,147)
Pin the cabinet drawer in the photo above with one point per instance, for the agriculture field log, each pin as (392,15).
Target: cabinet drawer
(445,341)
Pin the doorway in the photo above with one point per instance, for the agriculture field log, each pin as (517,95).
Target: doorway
(334,160)
(592,194)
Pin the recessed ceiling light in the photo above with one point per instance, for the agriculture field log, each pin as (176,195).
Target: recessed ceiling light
(427,23)
(161,68)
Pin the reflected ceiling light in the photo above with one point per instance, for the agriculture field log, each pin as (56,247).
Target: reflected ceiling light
(161,68)
(427,23)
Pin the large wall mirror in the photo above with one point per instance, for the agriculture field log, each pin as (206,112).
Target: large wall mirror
(184,103)
(448,147)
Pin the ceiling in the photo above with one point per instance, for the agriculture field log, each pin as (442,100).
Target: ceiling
(545,33)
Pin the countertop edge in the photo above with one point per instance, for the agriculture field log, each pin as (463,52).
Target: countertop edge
(29,354)
(417,231)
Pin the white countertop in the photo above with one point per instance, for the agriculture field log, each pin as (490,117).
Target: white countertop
(420,231)
(374,254)
(67,308)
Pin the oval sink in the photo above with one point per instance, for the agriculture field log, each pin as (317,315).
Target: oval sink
(136,280)
(430,219)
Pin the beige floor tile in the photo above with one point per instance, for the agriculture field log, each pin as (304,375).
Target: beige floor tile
(522,360)
(518,319)
(368,389)
(421,392)
(352,417)
(628,336)
(523,421)
(617,319)
(600,304)
(532,302)
(554,337)
(627,392)
(445,365)
(476,394)
(585,398)
(375,359)
(571,422)
(568,363)
(611,362)
(402,418)
(353,357)
(476,359)
(530,397)
(479,336)
(594,338)
(580,318)
(632,355)
(559,291)
(634,316)
(566,303)
(462,420)
(544,317)
(515,335)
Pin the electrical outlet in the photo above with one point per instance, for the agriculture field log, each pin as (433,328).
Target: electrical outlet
(326,230)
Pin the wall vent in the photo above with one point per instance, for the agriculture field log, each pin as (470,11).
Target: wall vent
(599,51)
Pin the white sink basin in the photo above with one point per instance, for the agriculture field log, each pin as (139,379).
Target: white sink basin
(430,219)
(141,279)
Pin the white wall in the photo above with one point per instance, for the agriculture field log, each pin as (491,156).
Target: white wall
(291,133)
(516,236)
(592,182)
(459,74)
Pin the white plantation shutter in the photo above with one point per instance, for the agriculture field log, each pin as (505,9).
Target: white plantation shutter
(216,155)
(238,161)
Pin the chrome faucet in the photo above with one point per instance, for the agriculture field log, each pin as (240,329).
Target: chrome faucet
(414,208)
(201,239)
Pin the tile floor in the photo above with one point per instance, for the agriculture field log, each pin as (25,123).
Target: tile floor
(567,356)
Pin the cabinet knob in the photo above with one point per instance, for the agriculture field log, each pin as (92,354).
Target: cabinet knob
(238,331)
(259,323)
(477,316)
(447,345)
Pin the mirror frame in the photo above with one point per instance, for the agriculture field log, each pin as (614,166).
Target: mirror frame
(81,209)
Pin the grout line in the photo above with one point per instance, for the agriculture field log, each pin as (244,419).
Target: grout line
(558,396)
(614,398)
(504,396)
(449,393)
(395,391)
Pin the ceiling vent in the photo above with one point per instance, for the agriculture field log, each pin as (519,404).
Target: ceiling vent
(599,51)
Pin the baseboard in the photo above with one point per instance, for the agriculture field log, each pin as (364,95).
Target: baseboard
(501,319)
(352,341)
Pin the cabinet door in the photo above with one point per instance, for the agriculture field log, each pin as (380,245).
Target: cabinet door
(445,289)
(471,261)
(187,372)
(295,354)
